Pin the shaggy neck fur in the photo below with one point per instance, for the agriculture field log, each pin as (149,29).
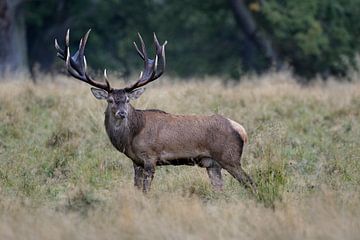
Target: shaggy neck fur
(122,131)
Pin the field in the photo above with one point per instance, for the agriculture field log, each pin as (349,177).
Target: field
(60,178)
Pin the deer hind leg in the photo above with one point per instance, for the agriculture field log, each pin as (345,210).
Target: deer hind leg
(230,161)
(239,174)
(214,172)
(138,176)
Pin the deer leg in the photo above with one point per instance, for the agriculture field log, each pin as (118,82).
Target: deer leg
(239,174)
(230,160)
(149,171)
(214,172)
(215,176)
(138,176)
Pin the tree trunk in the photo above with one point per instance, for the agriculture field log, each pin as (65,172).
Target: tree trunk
(248,25)
(13,55)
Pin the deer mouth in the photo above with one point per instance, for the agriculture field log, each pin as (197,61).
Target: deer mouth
(119,118)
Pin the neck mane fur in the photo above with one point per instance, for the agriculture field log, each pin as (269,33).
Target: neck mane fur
(121,132)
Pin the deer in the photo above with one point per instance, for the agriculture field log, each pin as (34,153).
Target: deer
(152,137)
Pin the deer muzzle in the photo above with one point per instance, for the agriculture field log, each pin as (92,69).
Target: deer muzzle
(121,114)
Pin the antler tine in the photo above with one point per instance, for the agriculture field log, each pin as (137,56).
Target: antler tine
(83,42)
(150,72)
(138,50)
(142,52)
(143,48)
(106,79)
(160,54)
(60,52)
(76,65)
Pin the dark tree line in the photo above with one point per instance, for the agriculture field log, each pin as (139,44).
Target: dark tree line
(217,37)
(13,51)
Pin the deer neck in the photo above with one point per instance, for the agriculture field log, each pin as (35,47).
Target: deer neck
(121,132)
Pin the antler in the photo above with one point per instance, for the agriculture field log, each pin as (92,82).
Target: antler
(152,69)
(76,64)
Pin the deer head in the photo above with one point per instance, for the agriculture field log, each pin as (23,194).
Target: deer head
(118,99)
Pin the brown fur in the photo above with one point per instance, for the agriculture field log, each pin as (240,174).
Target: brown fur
(153,137)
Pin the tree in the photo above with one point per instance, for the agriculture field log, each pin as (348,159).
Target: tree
(247,23)
(204,39)
(12,37)
(315,37)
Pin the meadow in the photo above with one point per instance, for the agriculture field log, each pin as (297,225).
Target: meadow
(60,178)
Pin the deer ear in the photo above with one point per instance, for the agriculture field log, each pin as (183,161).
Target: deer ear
(99,93)
(134,94)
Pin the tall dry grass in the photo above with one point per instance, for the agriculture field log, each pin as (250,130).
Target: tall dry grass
(61,179)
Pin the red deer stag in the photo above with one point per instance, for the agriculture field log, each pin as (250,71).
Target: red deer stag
(153,138)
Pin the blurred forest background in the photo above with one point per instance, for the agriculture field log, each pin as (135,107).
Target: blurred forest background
(226,38)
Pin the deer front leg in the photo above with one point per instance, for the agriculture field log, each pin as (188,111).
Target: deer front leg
(138,176)
(149,171)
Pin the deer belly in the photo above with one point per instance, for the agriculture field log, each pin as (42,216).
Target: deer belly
(190,157)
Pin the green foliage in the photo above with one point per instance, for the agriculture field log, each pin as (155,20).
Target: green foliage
(202,36)
(314,36)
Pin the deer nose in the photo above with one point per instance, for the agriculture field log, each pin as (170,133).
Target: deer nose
(120,114)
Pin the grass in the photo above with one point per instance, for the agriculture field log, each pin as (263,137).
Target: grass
(60,178)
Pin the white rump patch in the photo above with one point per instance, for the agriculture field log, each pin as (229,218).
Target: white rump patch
(240,129)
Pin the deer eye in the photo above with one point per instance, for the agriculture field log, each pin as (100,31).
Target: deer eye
(127,100)
(110,100)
